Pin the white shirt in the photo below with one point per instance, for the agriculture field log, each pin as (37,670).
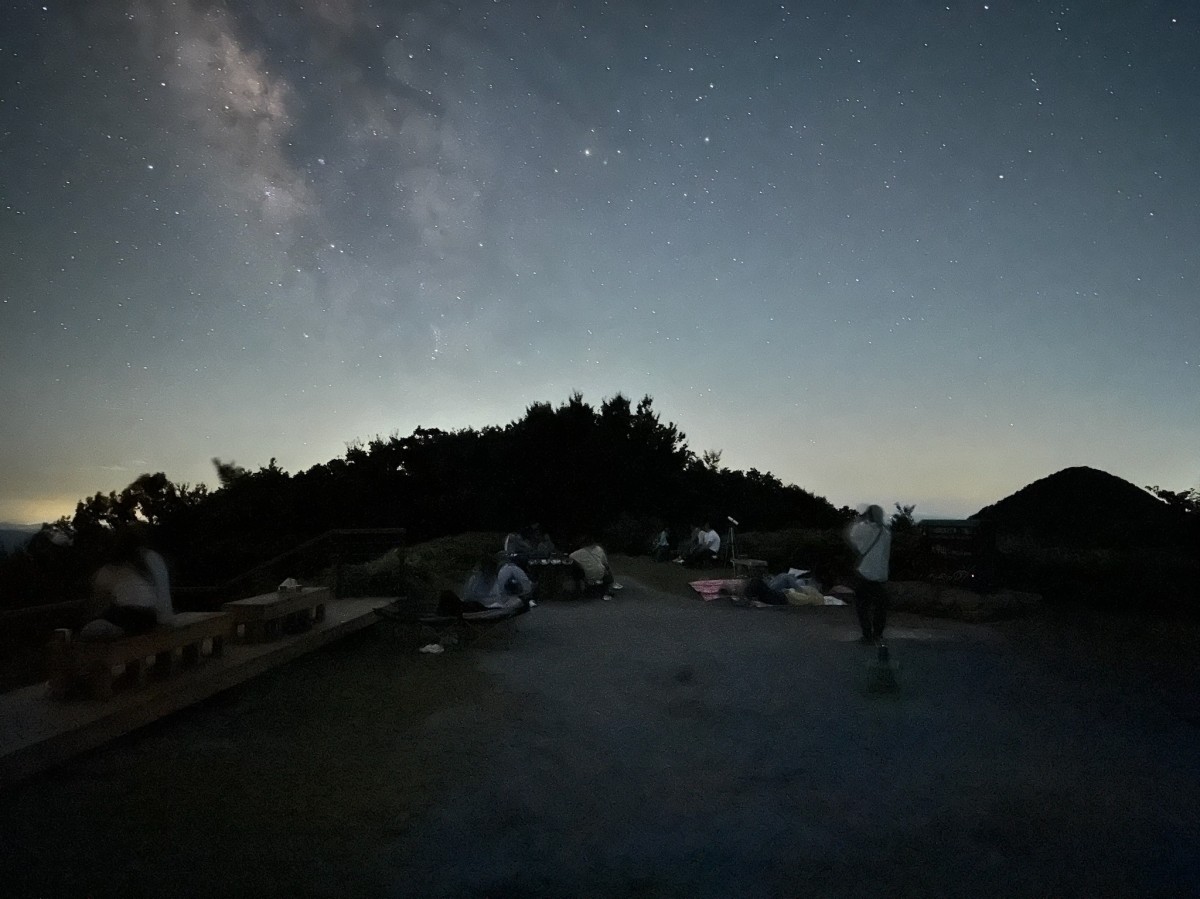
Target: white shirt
(873,564)
(127,586)
(710,540)
(592,560)
(162,585)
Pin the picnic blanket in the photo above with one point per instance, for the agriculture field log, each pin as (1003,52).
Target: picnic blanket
(729,587)
(710,590)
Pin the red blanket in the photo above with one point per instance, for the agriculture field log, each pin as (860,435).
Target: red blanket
(710,590)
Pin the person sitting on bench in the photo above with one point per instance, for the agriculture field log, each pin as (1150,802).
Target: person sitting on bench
(132,591)
(589,565)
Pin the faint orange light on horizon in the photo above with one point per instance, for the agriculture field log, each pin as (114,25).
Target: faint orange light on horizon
(36,511)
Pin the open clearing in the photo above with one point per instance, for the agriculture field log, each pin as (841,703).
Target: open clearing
(653,745)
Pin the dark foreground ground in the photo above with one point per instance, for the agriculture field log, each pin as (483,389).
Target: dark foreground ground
(649,746)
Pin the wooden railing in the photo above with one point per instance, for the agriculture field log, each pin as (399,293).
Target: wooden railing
(331,551)
(25,631)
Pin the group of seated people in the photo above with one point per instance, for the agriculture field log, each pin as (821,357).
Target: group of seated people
(701,549)
(501,582)
(532,542)
(492,585)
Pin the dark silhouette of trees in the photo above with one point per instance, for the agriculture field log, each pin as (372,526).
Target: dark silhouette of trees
(903,520)
(618,472)
(1187,501)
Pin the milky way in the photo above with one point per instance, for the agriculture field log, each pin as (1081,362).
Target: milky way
(892,252)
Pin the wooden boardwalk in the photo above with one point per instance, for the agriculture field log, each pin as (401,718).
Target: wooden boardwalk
(37,732)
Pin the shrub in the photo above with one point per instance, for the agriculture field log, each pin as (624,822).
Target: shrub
(1123,579)
(379,577)
(631,534)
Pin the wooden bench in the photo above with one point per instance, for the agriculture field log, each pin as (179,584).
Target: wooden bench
(265,617)
(749,567)
(96,661)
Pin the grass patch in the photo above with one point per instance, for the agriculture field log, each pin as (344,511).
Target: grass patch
(423,570)
(666,577)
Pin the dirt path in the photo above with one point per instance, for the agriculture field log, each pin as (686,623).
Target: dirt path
(653,745)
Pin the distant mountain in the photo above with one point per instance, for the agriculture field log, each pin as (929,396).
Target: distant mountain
(1086,506)
(15,535)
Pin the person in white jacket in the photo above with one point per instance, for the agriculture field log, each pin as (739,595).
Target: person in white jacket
(133,590)
(871,539)
(708,547)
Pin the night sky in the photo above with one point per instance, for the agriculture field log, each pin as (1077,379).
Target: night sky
(914,252)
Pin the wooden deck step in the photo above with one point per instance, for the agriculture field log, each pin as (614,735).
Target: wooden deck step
(38,732)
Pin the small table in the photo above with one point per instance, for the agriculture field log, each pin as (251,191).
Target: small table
(263,617)
(550,572)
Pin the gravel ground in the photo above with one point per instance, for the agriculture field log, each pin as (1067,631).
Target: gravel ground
(654,745)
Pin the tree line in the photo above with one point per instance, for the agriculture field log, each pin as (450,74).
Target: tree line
(617,472)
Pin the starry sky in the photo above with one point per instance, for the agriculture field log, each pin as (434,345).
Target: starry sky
(891,252)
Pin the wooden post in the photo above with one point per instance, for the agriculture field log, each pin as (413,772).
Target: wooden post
(135,671)
(164,662)
(190,654)
(62,669)
(99,680)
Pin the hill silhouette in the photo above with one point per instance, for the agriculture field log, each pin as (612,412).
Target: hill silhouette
(1086,506)
(13,536)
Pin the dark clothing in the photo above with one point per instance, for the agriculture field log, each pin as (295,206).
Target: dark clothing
(871,604)
(132,619)
(593,588)
(450,605)
(758,589)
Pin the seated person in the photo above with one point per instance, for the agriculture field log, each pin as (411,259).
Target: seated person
(708,545)
(492,585)
(762,592)
(132,591)
(687,548)
(662,546)
(516,544)
(542,544)
(589,566)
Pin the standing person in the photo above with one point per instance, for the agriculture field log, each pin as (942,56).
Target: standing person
(871,539)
